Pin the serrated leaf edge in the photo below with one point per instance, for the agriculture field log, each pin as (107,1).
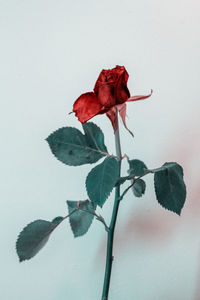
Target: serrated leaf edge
(108,194)
(156,189)
(93,124)
(90,149)
(19,235)
(75,236)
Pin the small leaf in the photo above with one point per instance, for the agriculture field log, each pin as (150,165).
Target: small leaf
(94,136)
(139,187)
(82,218)
(57,220)
(73,148)
(101,180)
(137,167)
(169,186)
(33,238)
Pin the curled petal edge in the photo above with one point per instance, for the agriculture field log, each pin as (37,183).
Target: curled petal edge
(139,97)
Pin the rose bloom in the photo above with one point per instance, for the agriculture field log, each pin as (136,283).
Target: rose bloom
(110,95)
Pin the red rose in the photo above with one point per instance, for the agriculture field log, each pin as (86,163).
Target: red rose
(110,94)
(111,87)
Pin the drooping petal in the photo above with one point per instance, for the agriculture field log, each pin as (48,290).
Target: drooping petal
(122,112)
(86,107)
(112,115)
(136,98)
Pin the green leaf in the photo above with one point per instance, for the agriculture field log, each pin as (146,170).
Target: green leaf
(57,220)
(34,237)
(73,148)
(169,186)
(101,180)
(139,187)
(82,218)
(94,136)
(137,167)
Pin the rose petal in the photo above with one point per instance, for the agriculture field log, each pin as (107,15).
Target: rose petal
(106,94)
(111,114)
(121,90)
(122,112)
(122,93)
(136,98)
(86,107)
(120,70)
(111,86)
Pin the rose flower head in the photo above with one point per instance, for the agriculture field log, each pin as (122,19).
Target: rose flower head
(110,95)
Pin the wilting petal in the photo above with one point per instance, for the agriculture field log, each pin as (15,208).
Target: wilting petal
(122,112)
(136,98)
(86,107)
(112,115)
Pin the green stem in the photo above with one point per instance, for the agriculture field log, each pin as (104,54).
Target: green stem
(110,233)
(134,181)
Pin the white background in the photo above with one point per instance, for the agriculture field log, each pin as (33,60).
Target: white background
(50,53)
